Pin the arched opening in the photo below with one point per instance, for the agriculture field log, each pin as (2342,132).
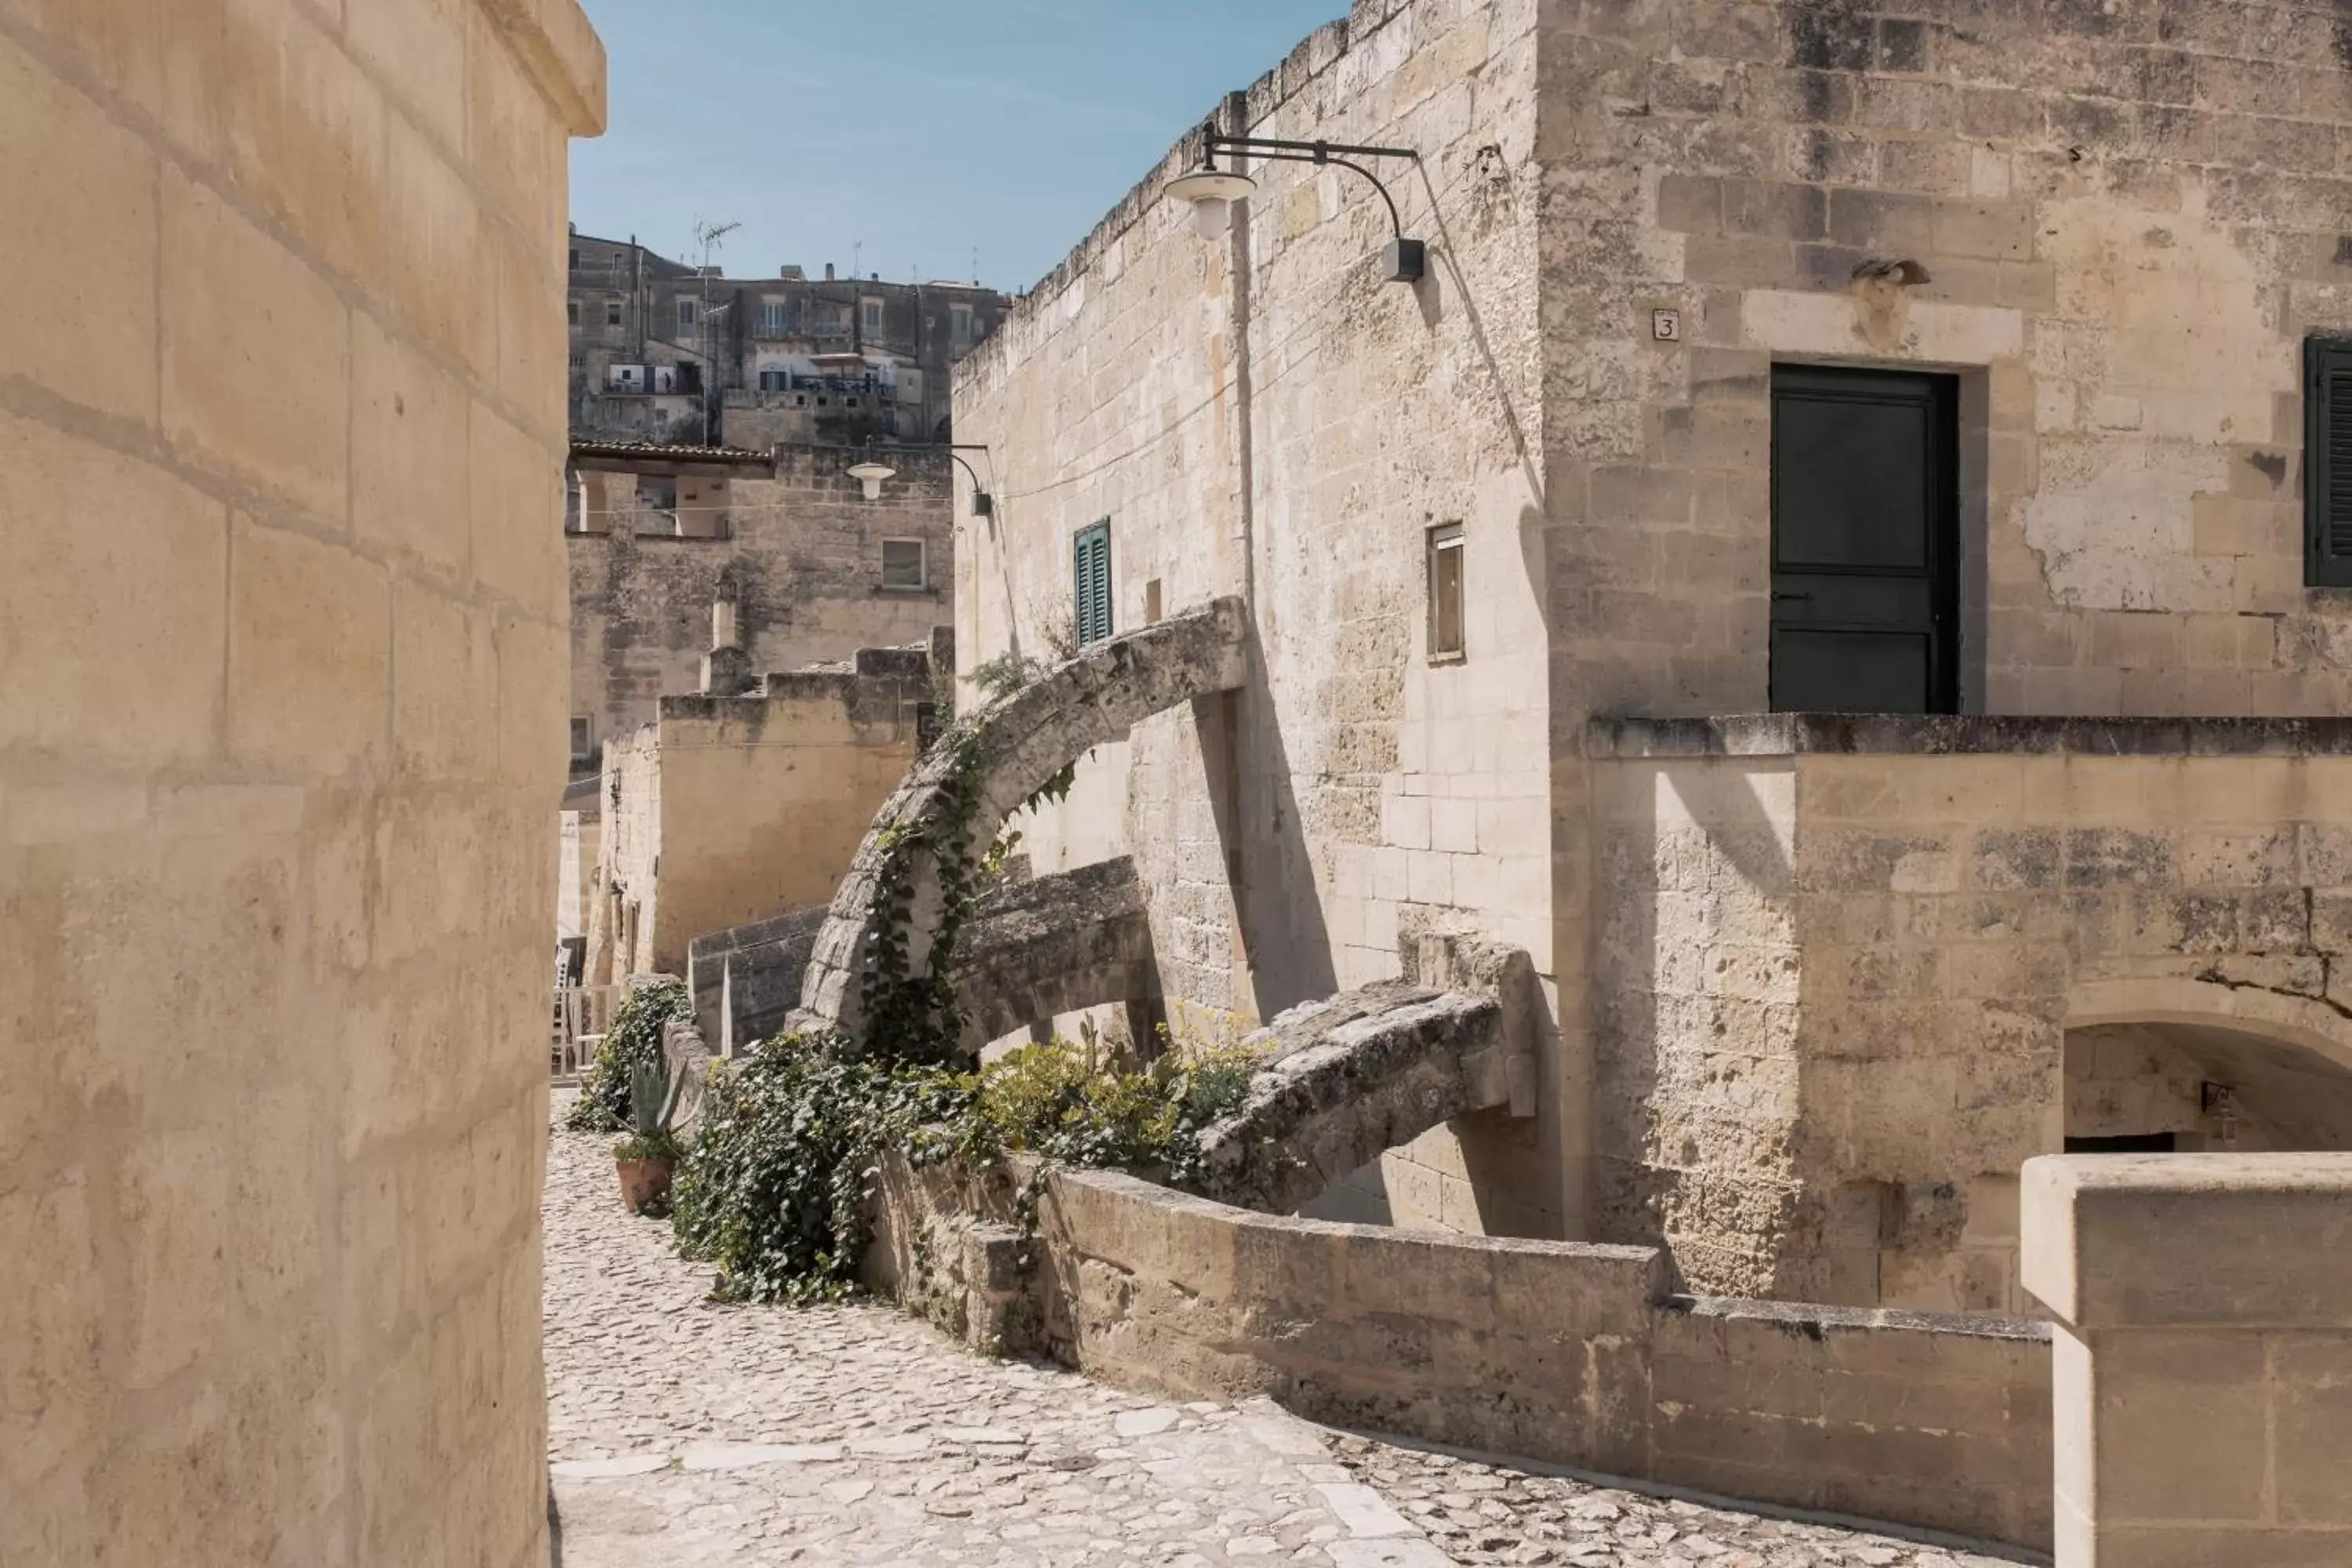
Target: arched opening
(2171,1087)
(2190,1066)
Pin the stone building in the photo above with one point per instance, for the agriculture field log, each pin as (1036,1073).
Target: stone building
(281,685)
(1971,366)
(782,545)
(736,806)
(667,352)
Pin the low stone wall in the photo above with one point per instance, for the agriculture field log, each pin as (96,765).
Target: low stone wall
(1570,1353)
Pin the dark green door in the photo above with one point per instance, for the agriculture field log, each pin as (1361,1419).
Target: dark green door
(1865,550)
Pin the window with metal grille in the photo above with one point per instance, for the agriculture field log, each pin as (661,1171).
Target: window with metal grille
(1090,566)
(902,564)
(2327,462)
(774,380)
(1445,631)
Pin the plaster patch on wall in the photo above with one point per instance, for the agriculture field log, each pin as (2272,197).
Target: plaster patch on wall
(2161,330)
(2112,523)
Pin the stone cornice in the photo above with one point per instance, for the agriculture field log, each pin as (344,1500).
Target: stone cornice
(1886,735)
(556,44)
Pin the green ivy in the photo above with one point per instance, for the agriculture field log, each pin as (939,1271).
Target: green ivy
(777,1185)
(633,1041)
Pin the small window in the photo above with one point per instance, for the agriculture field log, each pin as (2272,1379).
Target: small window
(1090,568)
(2327,462)
(959,319)
(873,317)
(612,313)
(800,400)
(772,318)
(772,381)
(657,492)
(686,316)
(1445,591)
(575,258)
(903,564)
(572,310)
(583,738)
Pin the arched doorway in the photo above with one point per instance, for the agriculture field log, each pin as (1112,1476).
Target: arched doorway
(2189,1067)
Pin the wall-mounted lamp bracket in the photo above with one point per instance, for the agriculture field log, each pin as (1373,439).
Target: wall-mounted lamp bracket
(1406,260)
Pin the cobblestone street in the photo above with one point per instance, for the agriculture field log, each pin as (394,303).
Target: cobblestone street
(684,1434)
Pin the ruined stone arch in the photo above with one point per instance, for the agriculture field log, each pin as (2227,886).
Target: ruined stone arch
(1023,740)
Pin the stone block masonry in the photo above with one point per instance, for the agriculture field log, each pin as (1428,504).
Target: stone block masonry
(1575,1355)
(2204,1366)
(281,696)
(799,555)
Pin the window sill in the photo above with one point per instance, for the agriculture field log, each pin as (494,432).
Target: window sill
(904,593)
(1449,658)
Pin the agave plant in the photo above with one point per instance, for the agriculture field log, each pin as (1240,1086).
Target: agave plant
(655,1093)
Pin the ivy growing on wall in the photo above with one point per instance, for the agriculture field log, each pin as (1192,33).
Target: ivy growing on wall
(633,1041)
(920,1017)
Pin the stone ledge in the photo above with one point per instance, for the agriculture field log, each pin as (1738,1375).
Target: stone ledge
(1885,734)
(563,55)
(1813,1321)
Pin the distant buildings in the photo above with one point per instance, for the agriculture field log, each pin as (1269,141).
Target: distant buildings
(667,352)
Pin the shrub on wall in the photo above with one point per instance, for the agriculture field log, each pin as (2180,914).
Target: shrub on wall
(633,1041)
(776,1185)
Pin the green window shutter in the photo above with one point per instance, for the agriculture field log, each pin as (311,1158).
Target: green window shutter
(1091,571)
(2327,462)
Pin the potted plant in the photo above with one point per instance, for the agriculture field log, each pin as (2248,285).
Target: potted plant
(647,1158)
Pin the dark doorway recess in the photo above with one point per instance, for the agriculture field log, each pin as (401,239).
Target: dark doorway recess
(2124,1143)
(1865,540)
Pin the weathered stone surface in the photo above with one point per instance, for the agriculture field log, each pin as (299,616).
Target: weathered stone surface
(1574,1354)
(1032,949)
(1347,1079)
(1023,739)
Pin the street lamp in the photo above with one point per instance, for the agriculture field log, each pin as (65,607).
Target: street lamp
(1213,190)
(870,472)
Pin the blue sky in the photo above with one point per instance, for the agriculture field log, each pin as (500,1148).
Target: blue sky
(920,128)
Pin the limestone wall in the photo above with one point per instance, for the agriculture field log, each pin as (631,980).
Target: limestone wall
(281,704)
(1839,962)
(1261,415)
(2201,1357)
(735,809)
(803,558)
(1570,1353)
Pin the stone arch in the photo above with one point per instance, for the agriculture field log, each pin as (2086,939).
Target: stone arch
(1022,741)
(2147,1047)
(1060,945)
(2304,1022)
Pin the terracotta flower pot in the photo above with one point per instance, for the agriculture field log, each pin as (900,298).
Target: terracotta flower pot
(645,1183)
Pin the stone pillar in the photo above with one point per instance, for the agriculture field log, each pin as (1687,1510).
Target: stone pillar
(726,669)
(2202,1366)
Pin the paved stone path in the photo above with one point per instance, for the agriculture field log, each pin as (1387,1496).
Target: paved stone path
(683,1434)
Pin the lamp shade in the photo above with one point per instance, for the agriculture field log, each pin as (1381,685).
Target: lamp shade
(871,475)
(1210,185)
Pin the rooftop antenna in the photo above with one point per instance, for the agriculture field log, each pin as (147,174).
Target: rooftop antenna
(975,264)
(857,258)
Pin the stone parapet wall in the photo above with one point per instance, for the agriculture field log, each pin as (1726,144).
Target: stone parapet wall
(2203,1364)
(1838,959)
(1573,1354)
